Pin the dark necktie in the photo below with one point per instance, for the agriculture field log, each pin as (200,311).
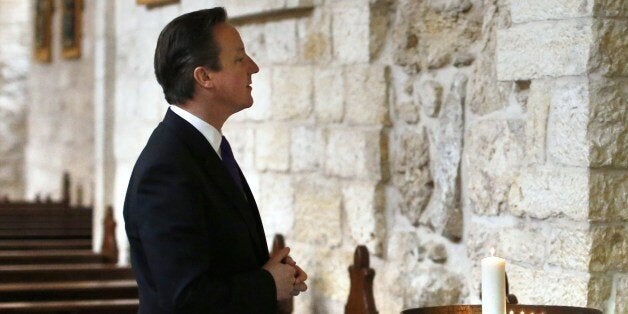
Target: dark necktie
(230,163)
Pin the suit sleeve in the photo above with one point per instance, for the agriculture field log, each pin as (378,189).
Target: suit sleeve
(170,220)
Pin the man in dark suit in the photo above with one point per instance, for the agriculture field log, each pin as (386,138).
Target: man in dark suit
(197,240)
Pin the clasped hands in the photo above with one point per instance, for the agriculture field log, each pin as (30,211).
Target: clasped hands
(289,278)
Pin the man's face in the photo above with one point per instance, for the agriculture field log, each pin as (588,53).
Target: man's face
(233,81)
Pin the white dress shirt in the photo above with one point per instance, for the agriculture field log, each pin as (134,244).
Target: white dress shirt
(213,136)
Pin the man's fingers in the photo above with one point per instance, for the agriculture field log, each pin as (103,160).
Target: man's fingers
(288,260)
(279,256)
(299,274)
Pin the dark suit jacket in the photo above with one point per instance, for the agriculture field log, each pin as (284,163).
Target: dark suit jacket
(197,243)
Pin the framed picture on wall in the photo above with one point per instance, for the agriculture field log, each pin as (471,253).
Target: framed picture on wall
(71,21)
(43,32)
(152,3)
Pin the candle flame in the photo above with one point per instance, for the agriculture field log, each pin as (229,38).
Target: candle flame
(492,250)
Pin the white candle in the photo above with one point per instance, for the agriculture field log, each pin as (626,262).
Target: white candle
(493,285)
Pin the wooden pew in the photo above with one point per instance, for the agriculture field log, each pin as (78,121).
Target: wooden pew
(47,266)
(361,299)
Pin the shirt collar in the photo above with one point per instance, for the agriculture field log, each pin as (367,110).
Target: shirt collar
(213,136)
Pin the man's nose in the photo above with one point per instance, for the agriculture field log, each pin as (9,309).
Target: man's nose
(254,67)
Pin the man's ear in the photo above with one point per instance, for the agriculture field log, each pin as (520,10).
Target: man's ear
(204,77)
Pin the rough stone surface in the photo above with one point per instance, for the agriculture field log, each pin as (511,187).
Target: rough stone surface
(272,148)
(354,153)
(351,31)
(433,286)
(363,203)
(621,298)
(540,10)
(600,289)
(315,38)
(542,193)
(443,212)
(523,245)
(539,100)
(308,149)
(366,95)
(609,251)
(611,8)
(534,286)
(411,173)
(431,97)
(292,92)
(437,252)
(408,111)
(609,57)
(608,123)
(487,93)
(567,123)
(494,155)
(317,211)
(281,41)
(276,201)
(570,249)
(608,197)
(534,50)
(328,95)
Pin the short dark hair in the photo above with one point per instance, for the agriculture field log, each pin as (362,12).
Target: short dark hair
(184,44)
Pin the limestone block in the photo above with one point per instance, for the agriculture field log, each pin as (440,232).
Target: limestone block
(430,94)
(600,288)
(314,35)
(610,58)
(443,211)
(540,10)
(291,92)
(437,252)
(570,249)
(281,41)
(608,197)
(611,8)
(328,94)
(364,203)
(404,248)
(621,299)
(552,48)
(408,111)
(567,122)
(307,149)
(411,173)
(244,8)
(350,31)
(550,192)
(539,100)
(272,148)
(433,286)
(275,203)
(450,6)
(532,286)
(332,278)
(366,94)
(608,123)
(354,153)
(317,211)
(609,250)
(523,245)
(480,239)
(494,155)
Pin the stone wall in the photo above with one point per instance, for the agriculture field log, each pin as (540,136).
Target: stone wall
(15,56)
(60,117)
(431,131)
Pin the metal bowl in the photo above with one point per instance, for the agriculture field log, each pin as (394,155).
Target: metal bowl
(510,309)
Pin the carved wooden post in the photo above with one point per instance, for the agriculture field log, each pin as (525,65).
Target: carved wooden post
(109,245)
(285,306)
(65,198)
(361,299)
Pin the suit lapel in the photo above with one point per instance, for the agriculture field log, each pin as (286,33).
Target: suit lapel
(216,171)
